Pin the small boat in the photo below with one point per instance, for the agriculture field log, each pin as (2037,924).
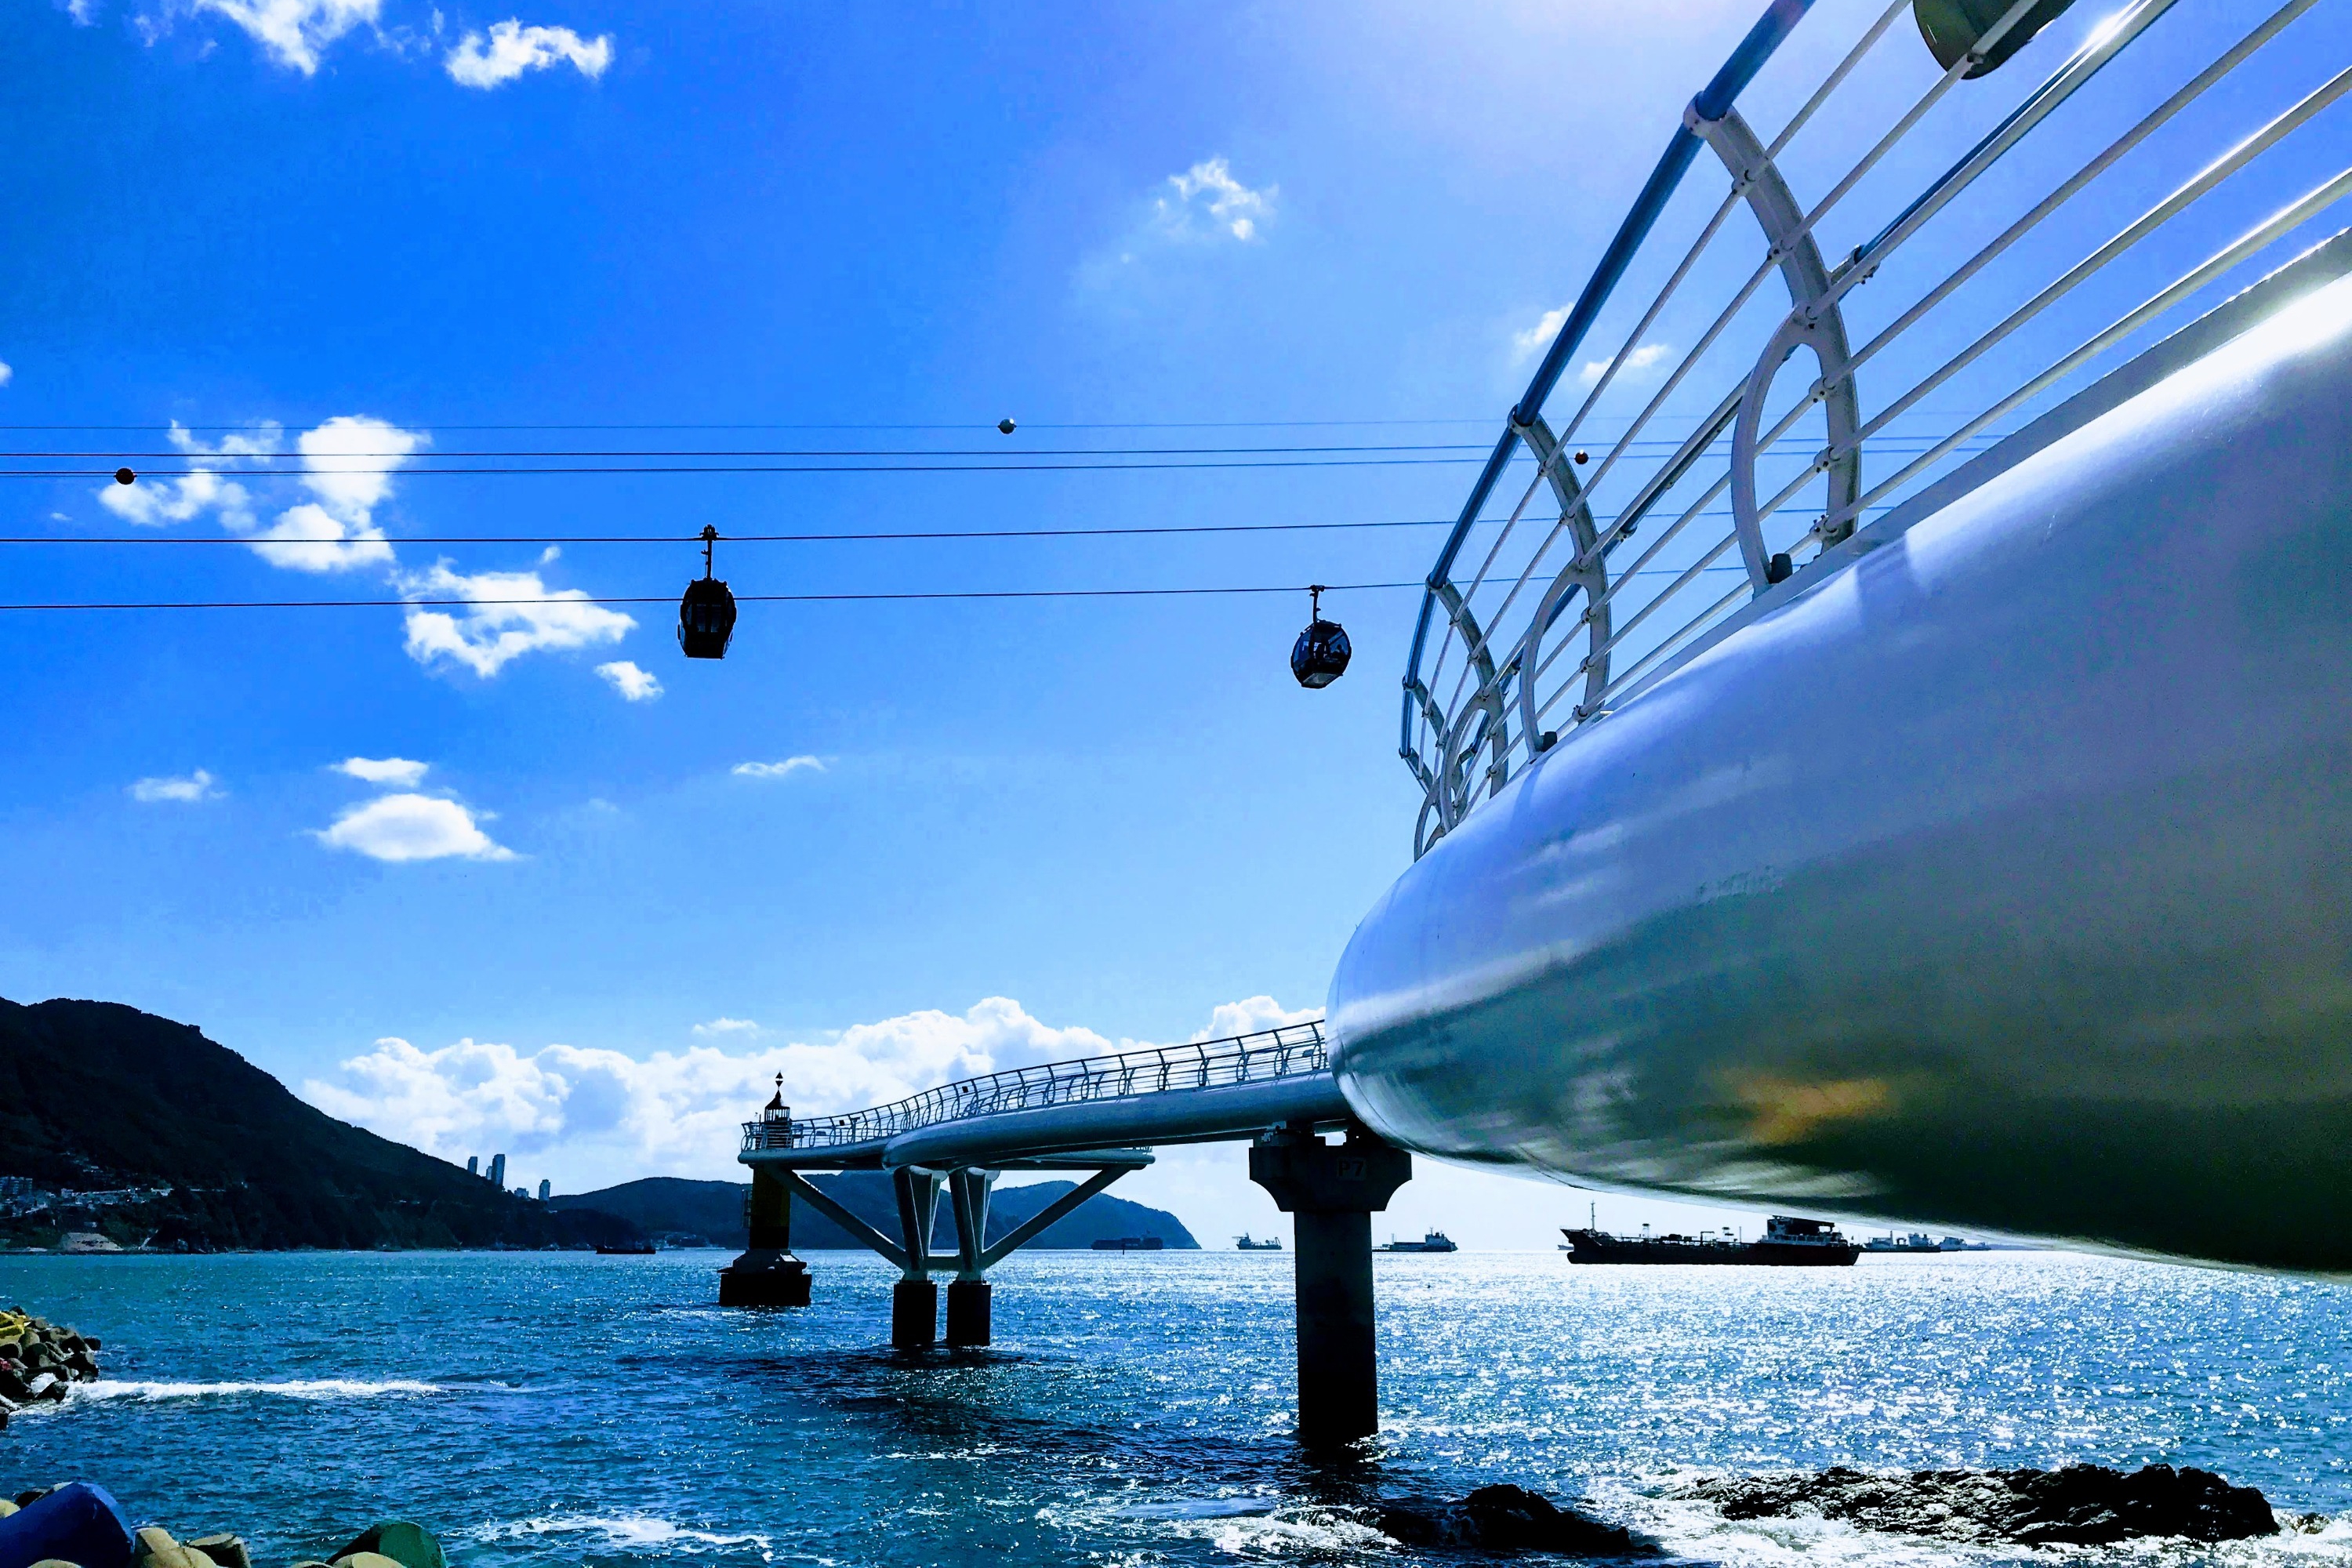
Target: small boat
(1130,1244)
(1434,1241)
(1243,1243)
(626,1249)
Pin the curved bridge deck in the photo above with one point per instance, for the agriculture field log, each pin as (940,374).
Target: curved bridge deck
(1212,1090)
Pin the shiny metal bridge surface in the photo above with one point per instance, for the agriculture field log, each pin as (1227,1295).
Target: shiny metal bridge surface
(1234,1088)
(1913,785)
(1864,303)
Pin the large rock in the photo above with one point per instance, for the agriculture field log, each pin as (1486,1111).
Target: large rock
(1504,1518)
(2081,1505)
(408,1544)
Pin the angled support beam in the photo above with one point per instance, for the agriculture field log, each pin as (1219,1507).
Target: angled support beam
(967,1191)
(1035,1224)
(841,1216)
(918,1190)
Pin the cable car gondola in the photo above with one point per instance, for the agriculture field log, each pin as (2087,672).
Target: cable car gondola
(1320,656)
(706,616)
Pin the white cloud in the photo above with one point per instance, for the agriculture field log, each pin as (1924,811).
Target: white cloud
(1209,202)
(347,464)
(679,1112)
(512,48)
(1251,1016)
(484,637)
(83,12)
(294,32)
(784,768)
(197,786)
(635,685)
(411,827)
(1637,368)
(7,371)
(159,503)
(1538,338)
(398,773)
(156,504)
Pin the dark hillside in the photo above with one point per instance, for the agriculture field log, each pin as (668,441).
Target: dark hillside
(95,1095)
(714,1210)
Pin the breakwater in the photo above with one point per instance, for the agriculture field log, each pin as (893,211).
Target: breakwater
(39,1360)
(80,1525)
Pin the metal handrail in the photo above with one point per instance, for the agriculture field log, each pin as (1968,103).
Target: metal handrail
(1293,1050)
(1551,630)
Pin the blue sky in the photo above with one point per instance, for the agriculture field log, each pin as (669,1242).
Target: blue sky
(537,882)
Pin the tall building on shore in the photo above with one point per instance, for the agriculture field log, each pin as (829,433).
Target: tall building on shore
(473,1164)
(546,1189)
(498,1170)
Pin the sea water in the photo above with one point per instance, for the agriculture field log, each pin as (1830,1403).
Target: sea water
(1135,1409)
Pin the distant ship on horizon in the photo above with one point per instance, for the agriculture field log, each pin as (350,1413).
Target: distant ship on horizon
(1920,1241)
(1434,1241)
(1787,1242)
(1243,1243)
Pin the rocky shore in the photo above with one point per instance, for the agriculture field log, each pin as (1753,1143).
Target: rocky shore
(80,1526)
(39,1359)
(2078,1505)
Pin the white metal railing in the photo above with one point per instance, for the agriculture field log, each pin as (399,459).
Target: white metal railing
(1292,1051)
(1590,558)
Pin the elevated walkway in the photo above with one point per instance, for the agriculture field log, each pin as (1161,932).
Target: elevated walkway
(1101,1116)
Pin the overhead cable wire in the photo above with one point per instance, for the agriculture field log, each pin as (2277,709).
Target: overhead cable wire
(1000,468)
(740,598)
(904,596)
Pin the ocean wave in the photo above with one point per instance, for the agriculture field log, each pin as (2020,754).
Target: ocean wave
(299,1388)
(627,1530)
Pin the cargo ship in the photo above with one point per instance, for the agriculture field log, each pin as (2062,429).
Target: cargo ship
(1130,1244)
(1786,1241)
(1246,1243)
(1919,1241)
(1434,1241)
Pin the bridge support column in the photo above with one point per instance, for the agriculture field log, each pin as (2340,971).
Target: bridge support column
(914,1299)
(969,1291)
(1332,1192)
(766,1274)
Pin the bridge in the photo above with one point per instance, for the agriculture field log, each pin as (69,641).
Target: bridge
(1912,787)
(1274,1089)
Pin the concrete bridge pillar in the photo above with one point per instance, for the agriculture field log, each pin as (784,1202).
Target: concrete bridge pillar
(969,1291)
(914,1299)
(1331,1192)
(766,1274)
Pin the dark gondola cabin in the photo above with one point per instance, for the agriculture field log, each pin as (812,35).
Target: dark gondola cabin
(1320,656)
(706,616)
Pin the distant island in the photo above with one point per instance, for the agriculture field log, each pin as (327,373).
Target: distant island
(679,1210)
(119,1124)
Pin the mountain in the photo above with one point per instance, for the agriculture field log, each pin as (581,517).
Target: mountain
(714,1211)
(96,1096)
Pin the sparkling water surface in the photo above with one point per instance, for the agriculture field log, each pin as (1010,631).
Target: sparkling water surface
(540,1408)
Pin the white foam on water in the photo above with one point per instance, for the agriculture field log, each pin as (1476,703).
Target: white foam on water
(300,1388)
(1691,1528)
(1290,1531)
(626,1529)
